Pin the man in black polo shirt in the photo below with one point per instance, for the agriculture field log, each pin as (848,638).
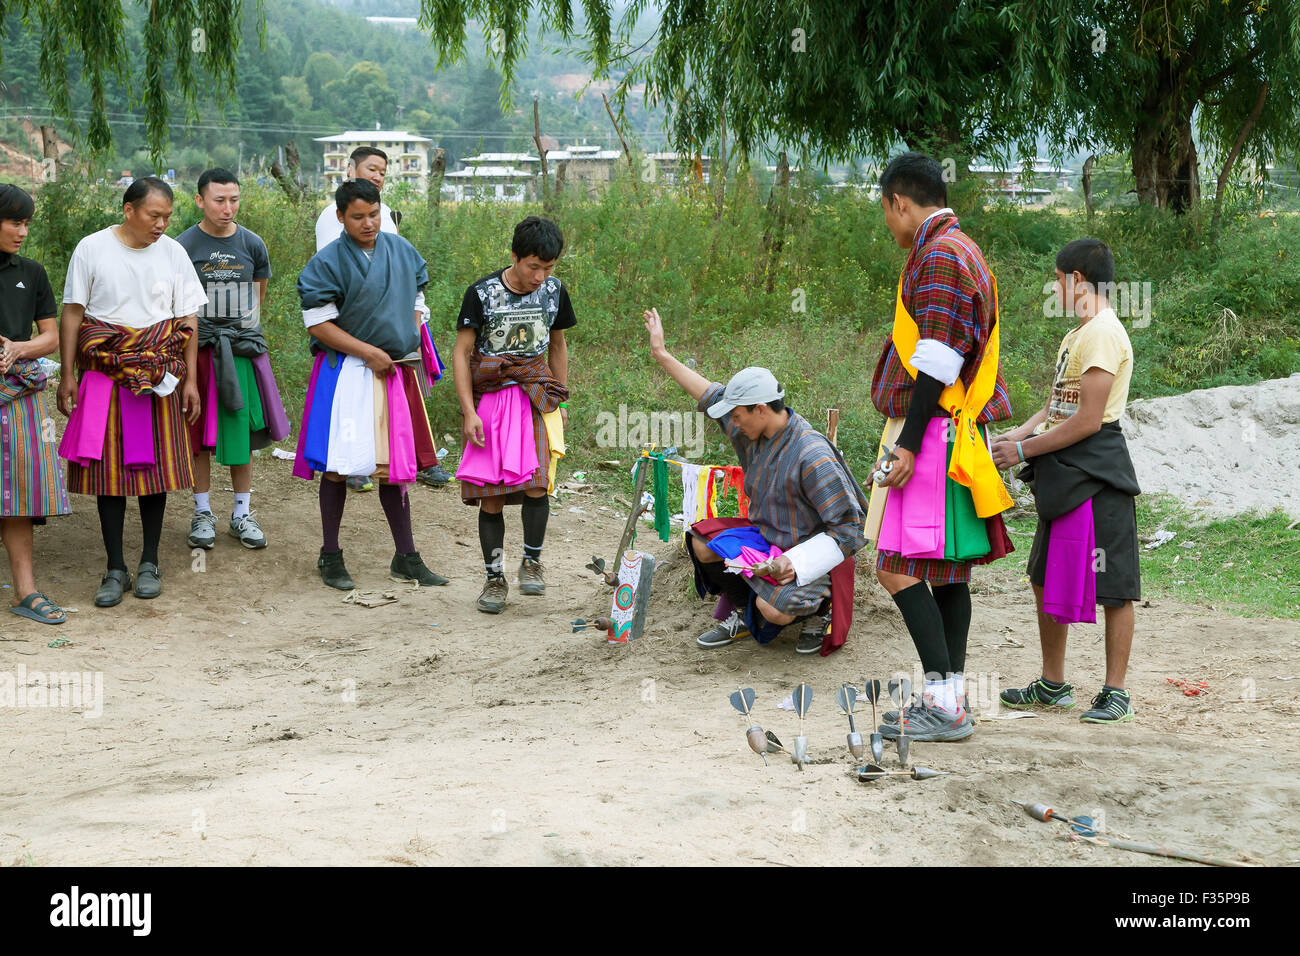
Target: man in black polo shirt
(31,481)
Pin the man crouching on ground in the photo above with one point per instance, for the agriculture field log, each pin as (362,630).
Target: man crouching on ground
(806,516)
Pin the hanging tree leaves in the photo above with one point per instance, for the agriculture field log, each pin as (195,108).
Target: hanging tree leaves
(184,41)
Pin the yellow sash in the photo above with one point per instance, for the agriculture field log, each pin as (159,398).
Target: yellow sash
(971,463)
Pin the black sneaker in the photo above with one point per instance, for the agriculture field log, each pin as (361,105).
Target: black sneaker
(812,634)
(1038,694)
(1110,707)
(435,477)
(332,571)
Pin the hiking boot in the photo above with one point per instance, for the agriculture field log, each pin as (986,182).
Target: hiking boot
(530,577)
(332,571)
(148,582)
(410,567)
(492,599)
(360,483)
(724,632)
(203,530)
(1038,694)
(812,634)
(248,531)
(1110,707)
(435,477)
(112,587)
(927,723)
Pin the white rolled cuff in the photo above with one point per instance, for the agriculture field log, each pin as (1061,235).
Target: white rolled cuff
(815,557)
(938,360)
(421,307)
(167,385)
(322,313)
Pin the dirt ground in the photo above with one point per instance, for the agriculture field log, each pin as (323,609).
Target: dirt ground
(251,717)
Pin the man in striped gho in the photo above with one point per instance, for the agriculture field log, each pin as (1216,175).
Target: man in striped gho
(806,516)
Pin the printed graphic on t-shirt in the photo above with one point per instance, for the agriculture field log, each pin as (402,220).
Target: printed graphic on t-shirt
(514,324)
(1065,391)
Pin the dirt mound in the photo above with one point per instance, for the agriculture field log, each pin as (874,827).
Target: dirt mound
(1223,451)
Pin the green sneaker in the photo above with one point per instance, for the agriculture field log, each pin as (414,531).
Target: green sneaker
(1038,694)
(1110,707)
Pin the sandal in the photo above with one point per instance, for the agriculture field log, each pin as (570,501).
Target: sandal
(36,606)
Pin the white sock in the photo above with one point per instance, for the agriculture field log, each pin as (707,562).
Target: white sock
(201,502)
(942,694)
(241,503)
(960,685)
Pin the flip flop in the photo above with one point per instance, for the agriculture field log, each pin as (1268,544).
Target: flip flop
(33,607)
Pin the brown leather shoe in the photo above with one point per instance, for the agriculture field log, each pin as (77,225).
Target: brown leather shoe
(530,577)
(492,600)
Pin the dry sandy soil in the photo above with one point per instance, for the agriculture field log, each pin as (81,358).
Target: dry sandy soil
(250,716)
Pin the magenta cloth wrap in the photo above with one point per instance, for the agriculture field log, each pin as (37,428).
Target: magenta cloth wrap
(401,434)
(913,523)
(1070,579)
(509,452)
(83,439)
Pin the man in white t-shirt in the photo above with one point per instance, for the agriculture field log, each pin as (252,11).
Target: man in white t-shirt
(129,349)
(368,163)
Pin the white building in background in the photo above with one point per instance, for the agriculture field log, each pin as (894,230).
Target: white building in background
(491,183)
(408,155)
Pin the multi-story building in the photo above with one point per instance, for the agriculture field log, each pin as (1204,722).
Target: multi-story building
(408,155)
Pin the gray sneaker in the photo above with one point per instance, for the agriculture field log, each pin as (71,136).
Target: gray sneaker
(530,577)
(891,716)
(247,530)
(724,632)
(926,723)
(203,530)
(492,599)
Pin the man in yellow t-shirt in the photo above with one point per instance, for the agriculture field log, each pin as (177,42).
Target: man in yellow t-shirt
(1085,549)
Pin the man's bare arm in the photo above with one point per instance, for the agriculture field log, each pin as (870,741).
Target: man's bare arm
(694,384)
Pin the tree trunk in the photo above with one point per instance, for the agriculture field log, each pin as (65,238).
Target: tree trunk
(433,188)
(778,205)
(541,154)
(1164,154)
(1087,185)
(1236,149)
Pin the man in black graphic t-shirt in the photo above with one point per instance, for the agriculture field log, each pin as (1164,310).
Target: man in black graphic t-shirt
(510,333)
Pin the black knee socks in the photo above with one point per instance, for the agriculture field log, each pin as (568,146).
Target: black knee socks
(112,515)
(925,624)
(151,522)
(397,509)
(535,511)
(492,538)
(954,607)
(112,519)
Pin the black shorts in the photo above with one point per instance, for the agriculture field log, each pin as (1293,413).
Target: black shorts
(1114,518)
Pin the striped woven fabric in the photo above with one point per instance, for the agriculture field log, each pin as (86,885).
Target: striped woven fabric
(31,482)
(948,291)
(137,358)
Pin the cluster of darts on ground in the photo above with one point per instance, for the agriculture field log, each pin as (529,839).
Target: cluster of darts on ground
(900,692)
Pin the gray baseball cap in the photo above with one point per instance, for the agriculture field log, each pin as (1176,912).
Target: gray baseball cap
(749,386)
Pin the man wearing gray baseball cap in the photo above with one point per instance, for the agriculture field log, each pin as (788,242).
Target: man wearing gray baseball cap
(805,508)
